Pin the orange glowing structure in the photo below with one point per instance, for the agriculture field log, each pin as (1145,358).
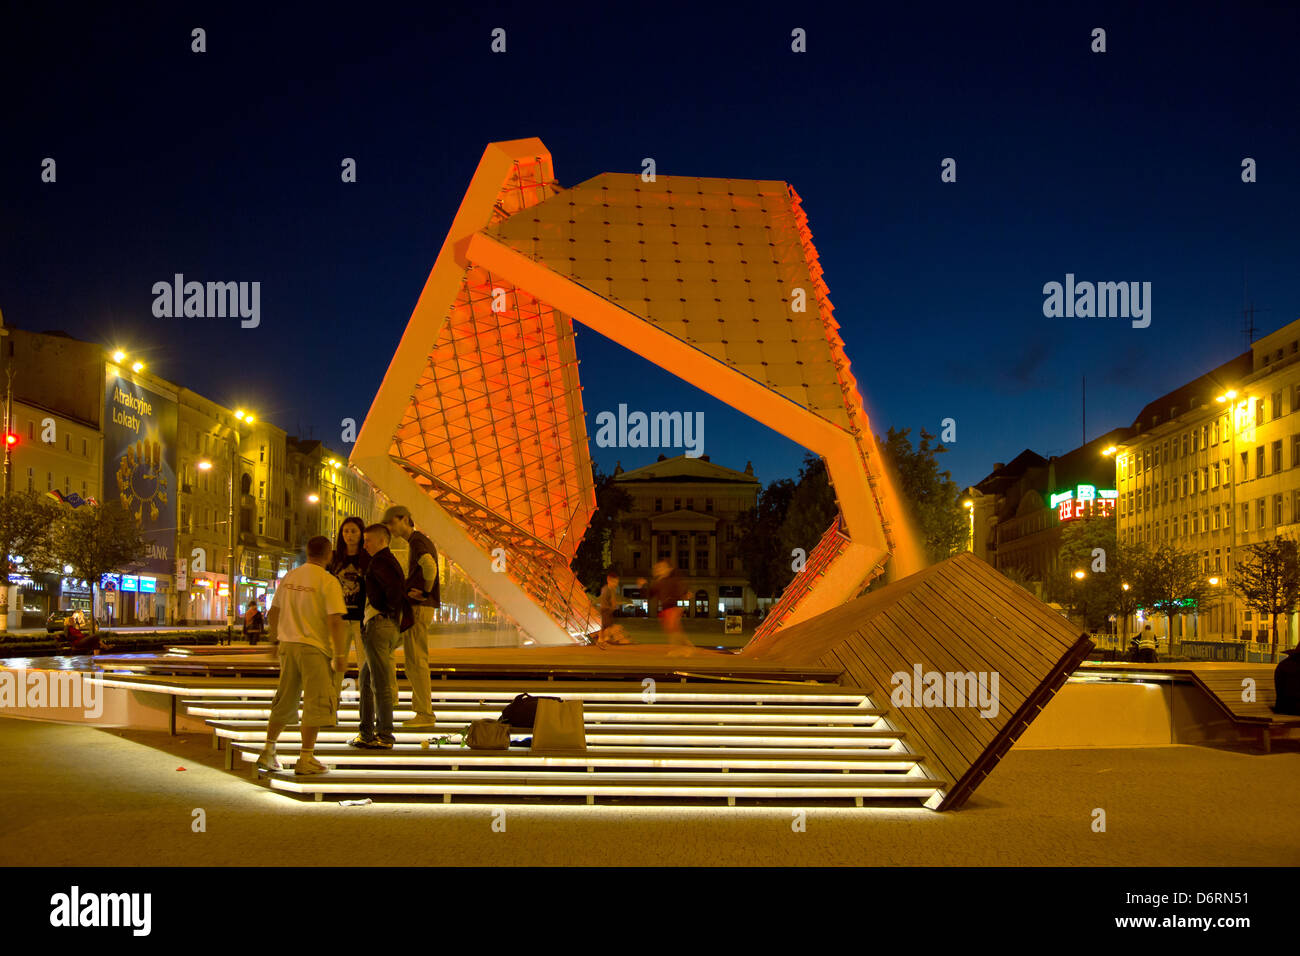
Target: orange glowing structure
(478,426)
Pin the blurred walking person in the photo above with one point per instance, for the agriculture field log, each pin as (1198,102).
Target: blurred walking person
(667,588)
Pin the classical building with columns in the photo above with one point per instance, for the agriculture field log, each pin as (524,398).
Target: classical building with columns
(686,511)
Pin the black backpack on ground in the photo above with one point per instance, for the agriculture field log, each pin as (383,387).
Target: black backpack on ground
(522,711)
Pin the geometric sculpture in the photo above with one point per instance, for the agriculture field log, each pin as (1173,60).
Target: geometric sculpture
(478,424)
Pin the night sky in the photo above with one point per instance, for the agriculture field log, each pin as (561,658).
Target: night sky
(224,166)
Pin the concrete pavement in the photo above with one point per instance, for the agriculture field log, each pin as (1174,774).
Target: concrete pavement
(78,796)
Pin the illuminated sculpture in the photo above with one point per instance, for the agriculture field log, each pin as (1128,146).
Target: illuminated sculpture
(478,425)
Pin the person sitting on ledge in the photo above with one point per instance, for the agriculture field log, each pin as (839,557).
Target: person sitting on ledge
(1286,678)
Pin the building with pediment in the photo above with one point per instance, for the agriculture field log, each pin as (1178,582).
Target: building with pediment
(687,512)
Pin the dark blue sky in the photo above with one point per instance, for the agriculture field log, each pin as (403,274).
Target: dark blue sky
(225,166)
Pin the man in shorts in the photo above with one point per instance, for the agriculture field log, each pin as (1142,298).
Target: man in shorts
(306,623)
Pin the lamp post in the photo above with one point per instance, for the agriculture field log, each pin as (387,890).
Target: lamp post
(231,592)
(969,505)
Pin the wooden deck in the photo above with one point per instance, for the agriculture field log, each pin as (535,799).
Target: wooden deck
(957,616)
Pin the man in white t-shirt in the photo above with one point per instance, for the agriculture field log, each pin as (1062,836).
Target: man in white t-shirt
(306,621)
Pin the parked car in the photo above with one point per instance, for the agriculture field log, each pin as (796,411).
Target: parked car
(57,622)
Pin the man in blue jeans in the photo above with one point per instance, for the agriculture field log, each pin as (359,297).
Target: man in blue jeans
(387,614)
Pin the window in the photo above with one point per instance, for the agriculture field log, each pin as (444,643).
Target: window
(1184,486)
(1184,444)
(1259,411)
(1277,405)
(1245,517)
(1218,560)
(690,504)
(708,505)
(1214,432)
(677,504)
(1184,525)
(1205,436)
(1261,514)
(636,559)
(261,456)
(1227,517)
(636,532)
(1277,456)
(85,448)
(1205,479)
(1196,523)
(1277,509)
(701,560)
(683,560)
(1216,517)
(1295,450)
(1214,476)
(1245,465)
(659,504)
(261,525)
(261,492)
(1259,462)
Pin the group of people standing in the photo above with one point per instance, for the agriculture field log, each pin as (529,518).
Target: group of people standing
(375,591)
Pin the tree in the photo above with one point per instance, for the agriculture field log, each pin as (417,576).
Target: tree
(811,510)
(1169,581)
(25,520)
(759,544)
(1268,579)
(95,539)
(930,496)
(1088,571)
(594,554)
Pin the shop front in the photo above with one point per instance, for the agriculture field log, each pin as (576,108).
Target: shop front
(132,600)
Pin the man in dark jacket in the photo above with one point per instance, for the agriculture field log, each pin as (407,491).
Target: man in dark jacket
(388,612)
(1286,680)
(422,586)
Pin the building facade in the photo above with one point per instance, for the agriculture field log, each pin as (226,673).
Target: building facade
(1214,466)
(686,511)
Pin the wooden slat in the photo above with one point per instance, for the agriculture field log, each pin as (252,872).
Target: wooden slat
(956,616)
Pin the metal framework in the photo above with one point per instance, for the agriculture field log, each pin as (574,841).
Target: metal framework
(478,425)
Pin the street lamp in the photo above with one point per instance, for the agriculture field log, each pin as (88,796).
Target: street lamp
(232,594)
(970,511)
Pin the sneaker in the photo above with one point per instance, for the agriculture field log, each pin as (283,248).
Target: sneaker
(309,765)
(421,720)
(268,762)
(381,744)
(364,743)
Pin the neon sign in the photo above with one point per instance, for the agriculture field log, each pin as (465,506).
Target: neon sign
(1085,501)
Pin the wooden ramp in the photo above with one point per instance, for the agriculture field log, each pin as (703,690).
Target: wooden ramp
(956,617)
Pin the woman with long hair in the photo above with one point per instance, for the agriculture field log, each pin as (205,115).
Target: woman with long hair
(349,565)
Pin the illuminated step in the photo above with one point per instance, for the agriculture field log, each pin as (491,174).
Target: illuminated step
(401,757)
(456,722)
(645,713)
(861,739)
(504,692)
(602,785)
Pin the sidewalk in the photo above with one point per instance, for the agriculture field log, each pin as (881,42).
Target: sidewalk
(78,796)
